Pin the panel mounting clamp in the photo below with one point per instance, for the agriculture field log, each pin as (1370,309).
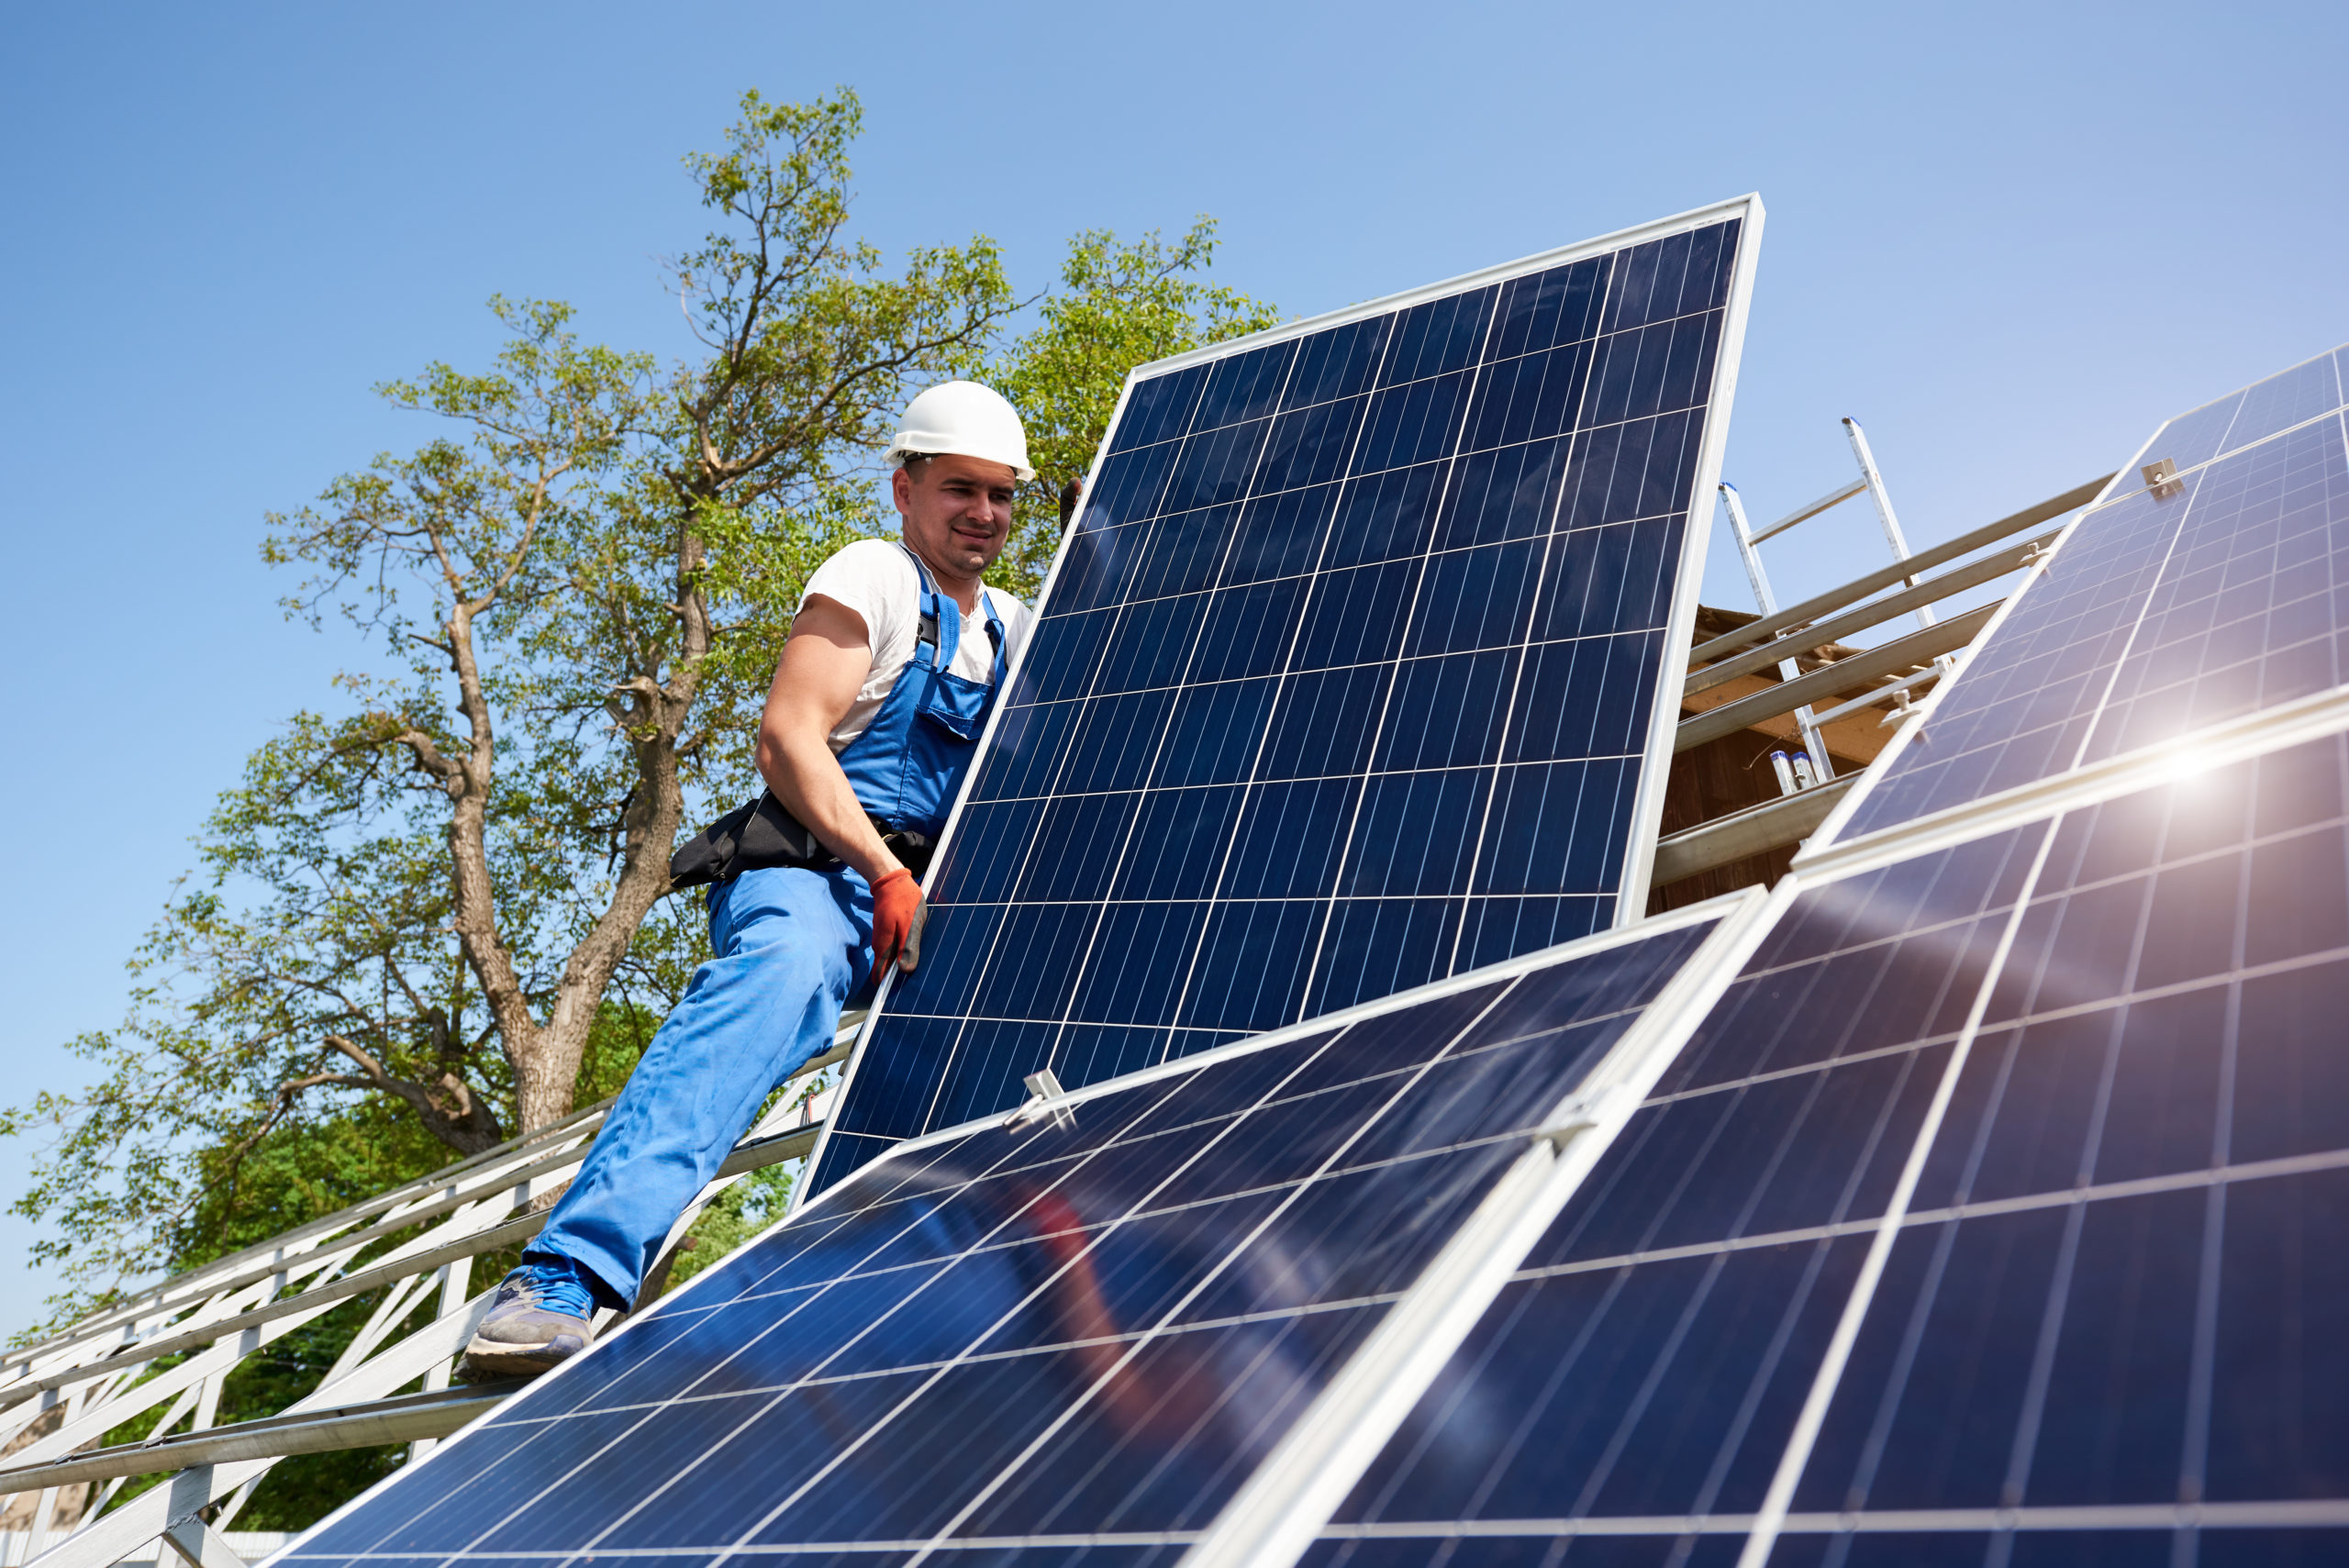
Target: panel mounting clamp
(2161,479)
(1591,1108)
(1046,1099)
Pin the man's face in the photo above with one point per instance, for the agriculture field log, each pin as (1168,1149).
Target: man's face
(958,512)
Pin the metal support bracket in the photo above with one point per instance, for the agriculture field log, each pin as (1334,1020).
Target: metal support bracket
(1046,1099)
(1590,1109)
(201,1545)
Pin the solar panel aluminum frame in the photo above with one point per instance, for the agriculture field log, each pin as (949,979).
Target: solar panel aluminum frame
(1827,852)
(1647,814)
(2223,744)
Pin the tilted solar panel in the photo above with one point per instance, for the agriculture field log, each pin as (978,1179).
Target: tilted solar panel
(1976,1198)
(1345,681)
(1075,1336)
(1995,1215)
(2160,614)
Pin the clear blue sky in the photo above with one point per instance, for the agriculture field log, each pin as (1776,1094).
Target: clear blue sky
(2009,239)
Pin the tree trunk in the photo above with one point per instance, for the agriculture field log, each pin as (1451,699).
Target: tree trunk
(546,1071)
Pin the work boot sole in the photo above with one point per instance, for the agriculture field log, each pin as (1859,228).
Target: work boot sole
(488,1358)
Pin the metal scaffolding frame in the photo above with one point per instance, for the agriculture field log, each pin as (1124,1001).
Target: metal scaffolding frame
(416,1242)
(1782,637)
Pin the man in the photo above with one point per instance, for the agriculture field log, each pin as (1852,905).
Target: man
(894,658)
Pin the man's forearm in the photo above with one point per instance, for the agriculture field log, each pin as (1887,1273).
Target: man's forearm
(806,777)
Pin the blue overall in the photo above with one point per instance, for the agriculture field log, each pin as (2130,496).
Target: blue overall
(792,944)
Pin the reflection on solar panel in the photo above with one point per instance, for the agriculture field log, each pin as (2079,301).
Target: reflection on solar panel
(1345,682)
(1078,1333)
(1999,1203)
(2160,614)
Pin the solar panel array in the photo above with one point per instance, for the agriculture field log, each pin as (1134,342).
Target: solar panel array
(2162,614)
(1971,1202)
(1044,1341)
(1346,681)
(2110,1295)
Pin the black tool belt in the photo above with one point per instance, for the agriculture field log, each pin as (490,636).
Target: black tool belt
(762,834)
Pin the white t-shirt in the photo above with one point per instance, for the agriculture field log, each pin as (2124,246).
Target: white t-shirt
(876,578)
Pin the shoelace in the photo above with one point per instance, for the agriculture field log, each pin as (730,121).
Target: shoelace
(556,1290)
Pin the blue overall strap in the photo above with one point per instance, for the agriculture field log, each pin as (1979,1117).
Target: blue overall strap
(926,634)
(934,605)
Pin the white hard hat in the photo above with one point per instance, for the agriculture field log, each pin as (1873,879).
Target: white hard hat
(964,417)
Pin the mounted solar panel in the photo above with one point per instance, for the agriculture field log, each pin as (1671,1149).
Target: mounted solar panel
(1345,681)
(2219,591)
(1078,1329)
(1995,1215)
(1976,1200)
(1992,1216)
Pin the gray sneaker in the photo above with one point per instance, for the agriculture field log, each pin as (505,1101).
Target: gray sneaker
(538,1320)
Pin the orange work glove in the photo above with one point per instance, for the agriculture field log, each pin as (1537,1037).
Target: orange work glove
(897,915)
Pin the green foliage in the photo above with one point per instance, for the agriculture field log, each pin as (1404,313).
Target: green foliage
(421,915)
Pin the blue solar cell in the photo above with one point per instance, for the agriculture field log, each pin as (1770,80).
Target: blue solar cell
(1159,409)
(2160,615)
(1244,386)
(1054,1331)
(1340,362)
(1393,596)
(2282,401)
(2111,1288)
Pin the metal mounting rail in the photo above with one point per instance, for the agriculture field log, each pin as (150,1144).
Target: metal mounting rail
(286,1253)
(1837,598)
(1917,648)
(415,1244)
(2014,558)
(1773,825)
(407,1417)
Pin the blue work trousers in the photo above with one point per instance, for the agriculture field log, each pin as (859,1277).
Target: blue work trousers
(792,945)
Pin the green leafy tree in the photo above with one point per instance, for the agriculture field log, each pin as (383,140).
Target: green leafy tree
(429,900)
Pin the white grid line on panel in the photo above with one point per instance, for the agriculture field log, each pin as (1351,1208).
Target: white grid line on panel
(2205,1177)
(1796,1454)
(2281,1513)
(1273,1518)
(1576,440)
(1287,779)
